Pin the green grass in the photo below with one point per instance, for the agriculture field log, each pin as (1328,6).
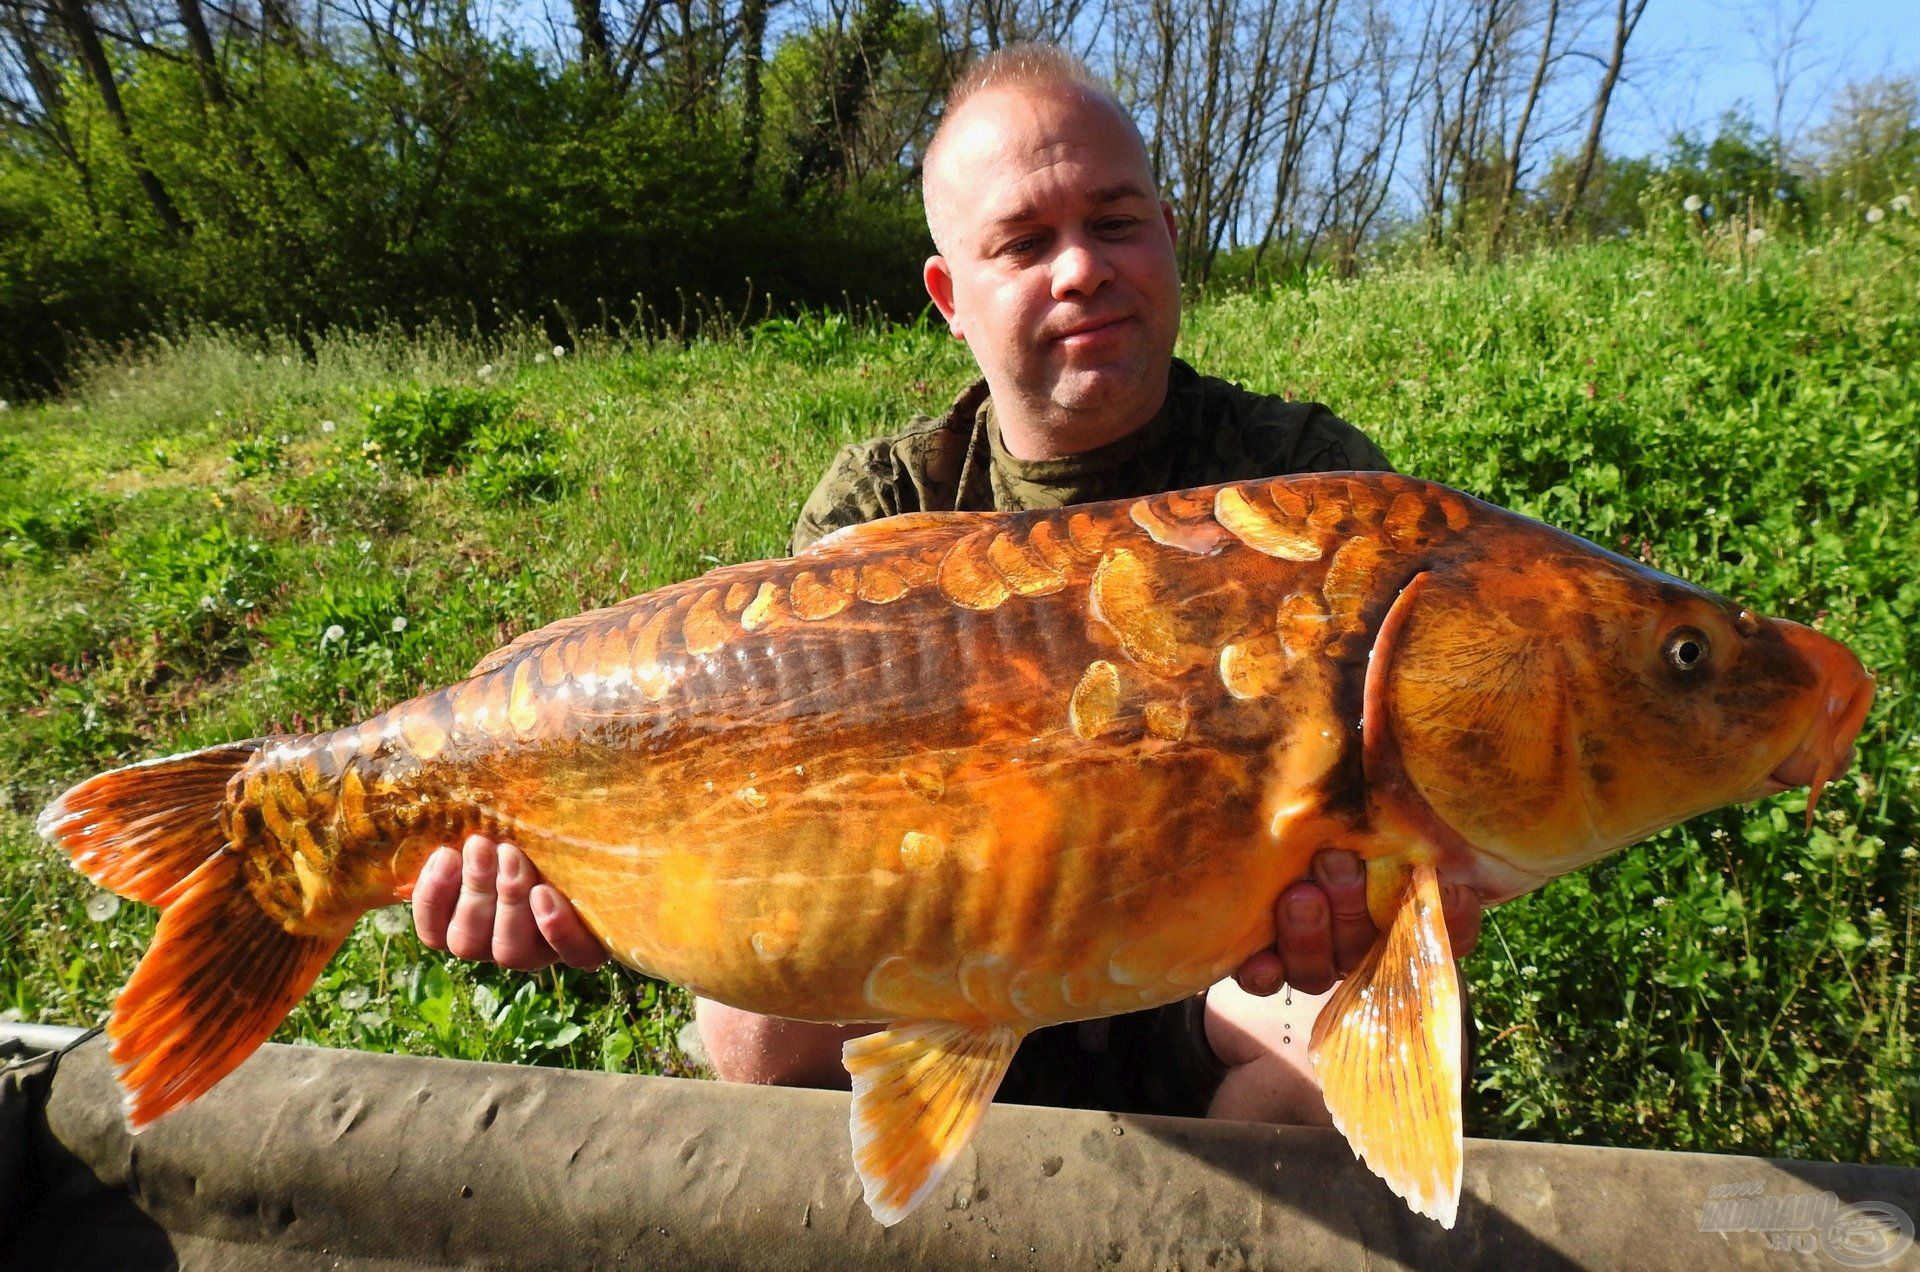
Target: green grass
(220,539)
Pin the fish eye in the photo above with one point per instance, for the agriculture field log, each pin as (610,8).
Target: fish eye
(1685,649)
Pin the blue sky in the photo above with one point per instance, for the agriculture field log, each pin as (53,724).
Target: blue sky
(1691,60)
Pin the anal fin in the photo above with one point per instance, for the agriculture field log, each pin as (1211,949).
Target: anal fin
(920,1088)
(1387,1051)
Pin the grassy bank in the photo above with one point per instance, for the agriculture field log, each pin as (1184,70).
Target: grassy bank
(221,539)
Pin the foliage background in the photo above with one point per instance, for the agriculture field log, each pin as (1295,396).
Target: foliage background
(222,536)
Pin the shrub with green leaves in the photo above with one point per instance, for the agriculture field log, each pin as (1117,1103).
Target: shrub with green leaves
(193,584)
(513,459)
(47,526)
(428,431)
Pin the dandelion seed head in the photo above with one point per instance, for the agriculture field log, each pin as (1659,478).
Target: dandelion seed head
(1875,215)
(102,906)
(1756,235)
(353,998)
(1693,203)
(334,632)
(400,623)
(327,426)
(390,920)
(559,351)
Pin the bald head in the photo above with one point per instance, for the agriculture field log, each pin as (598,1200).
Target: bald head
(993,106)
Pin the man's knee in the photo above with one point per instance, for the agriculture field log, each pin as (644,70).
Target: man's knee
(743,1046)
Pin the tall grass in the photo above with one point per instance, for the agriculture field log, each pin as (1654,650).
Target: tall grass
(221,538)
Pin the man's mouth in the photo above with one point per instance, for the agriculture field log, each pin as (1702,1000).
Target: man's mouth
(1092,330)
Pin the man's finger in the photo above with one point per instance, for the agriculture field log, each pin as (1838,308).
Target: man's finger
(517,942)
(564,929)
(1343,877)
(434,895)
(1262,974)
(470,934)
(1305,944)
(1460,907)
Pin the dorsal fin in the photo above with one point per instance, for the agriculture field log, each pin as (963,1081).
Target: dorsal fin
(892,531)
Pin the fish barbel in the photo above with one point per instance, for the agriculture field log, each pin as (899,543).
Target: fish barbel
(964,775)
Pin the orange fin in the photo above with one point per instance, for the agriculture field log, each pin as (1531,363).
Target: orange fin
(141,830)
(219,978)
(1387,1052)
(221,973)
(919,1090)
(892,531)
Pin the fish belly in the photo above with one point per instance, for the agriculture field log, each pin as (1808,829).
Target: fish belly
(1032,888)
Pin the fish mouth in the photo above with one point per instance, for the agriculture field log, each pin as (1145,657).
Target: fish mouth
(1826,750)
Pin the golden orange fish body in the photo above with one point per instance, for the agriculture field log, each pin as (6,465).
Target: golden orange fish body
(969,774)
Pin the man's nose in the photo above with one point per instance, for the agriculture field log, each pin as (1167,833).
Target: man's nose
(1079,269)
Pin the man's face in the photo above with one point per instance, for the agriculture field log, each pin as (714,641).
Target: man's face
(1057,264)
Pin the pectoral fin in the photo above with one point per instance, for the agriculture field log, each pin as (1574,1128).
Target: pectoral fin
(919,1090)
(1387,1052)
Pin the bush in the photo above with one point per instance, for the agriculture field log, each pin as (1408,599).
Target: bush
(428,431)
(46,528)
(512,459)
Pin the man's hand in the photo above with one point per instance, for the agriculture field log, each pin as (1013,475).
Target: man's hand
(1325,930)
(487,902)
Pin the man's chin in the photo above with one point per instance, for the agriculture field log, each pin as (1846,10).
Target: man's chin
(1091,389)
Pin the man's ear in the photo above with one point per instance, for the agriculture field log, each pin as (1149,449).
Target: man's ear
(1166,214)
(939,281)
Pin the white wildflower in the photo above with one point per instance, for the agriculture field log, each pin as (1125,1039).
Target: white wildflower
(1718,929)
(559,352)
(390,920)
(102,906)
(540,358)
(486,369)
(1693,203)
(1646,931)
(1875,215)
(1792,876)
(1909,853)
(353,998)
(1529,970)
(334,632)
(1661,903)
(1755,235)
(366,546)
(327,426)
(400,623)
(207,602)
(1901,203)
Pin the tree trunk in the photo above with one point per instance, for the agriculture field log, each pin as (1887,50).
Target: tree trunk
(1512,182)
(837,118)
(753,53)
(1626,18)
(86,39)
(596,50)
(205,63)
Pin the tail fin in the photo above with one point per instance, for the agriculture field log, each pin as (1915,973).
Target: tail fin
(221,973)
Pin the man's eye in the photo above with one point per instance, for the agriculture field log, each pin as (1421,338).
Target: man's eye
(1118,224)
(1022,246)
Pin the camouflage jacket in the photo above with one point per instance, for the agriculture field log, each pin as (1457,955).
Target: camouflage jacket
(1208,431)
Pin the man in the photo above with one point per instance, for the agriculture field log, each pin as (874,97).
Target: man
(1055,263)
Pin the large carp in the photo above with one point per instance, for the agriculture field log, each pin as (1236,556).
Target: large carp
(965,775)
